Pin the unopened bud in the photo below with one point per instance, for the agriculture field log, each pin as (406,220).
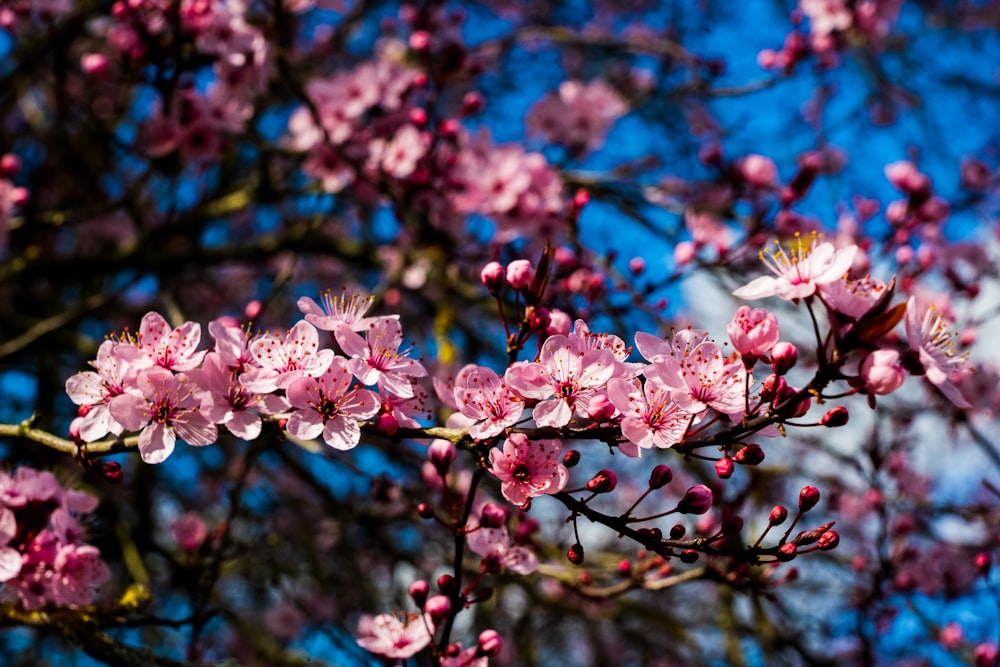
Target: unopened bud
(697,500)
(808,497)
(473,102)
(835,417)
(520,274)
(677,531)
(828,540)
(10,164)
(784,356)
(724,467)
(419,590)
(983,563)
(493,276)
(575,554)
(750,455)
(490,643)
(441,453)
(689,556)
(425,511)
(581,198)
(387,423)
(777,516)
(446,584)
(604,481)
(438,607)
(807,537)
(771,387)
(112,472)
(600,409)
(731,525)
(660,476)
(787,552)
(624,567)
(492,516)
(571,458)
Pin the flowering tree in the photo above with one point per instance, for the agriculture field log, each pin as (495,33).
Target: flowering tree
(497,333)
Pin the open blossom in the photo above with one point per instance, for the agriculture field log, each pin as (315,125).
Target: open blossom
(280,361)
(528,468)
(703,379)
(328,406)
(394,637)
(653,348)
(567,374)
(650,417)
(800,271)
(333,311)
(934,343)
(482,396)
(224,399)
(165,407)
(117,365)
(853,298)
(377,359)
(753,332)
(167,347)
(499,552)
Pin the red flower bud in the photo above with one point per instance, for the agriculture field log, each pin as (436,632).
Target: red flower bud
(828,540)
(571,458)
(425,511)
(441,453)
(771,387)
(677,531)
(624,567)
(112,472)
(697,500)
(724,468)
(777,516)
(446,584)
(418,592)
(835,417)
(604,481)
(490,643)
(575,554)
(731,525)
(808,497)
(660,476)
(750,455)
(983,563)
(784,356)
(492,516)
(689,556)
(787,552)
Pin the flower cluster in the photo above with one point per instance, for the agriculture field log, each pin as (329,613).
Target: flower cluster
(43,558)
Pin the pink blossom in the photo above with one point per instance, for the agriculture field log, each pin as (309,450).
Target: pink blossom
(881,372)
(758,170)
(853,298)
(800,271)
(650,416)
(281,361)
(334,311)
(117,366)
(327,406)
(77,570)
(753,332)
(376,359)
(827,16)
(703,379)
(566,374)
(232,344)
(165,407)
(499,552)
(224,400)
(653,348)
(528,468)
(189,530)
(482,396)
(934,343)
(399,156)
(394,637)
(578,115)
(173,349)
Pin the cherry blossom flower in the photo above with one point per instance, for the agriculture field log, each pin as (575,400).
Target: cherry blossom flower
(499,552)
(173,349)
(800,271)
(232,344)
(165,407)
(528,468)
(852,298)
(328,406)
(934,343)
(703,378)
(650,417)
(753,333)
(881,373)
(482,396)
(567,374)
(394,637)
(224,400)
(117,366)
(376,359)
(77,570)
(653,348)
(281,361)
(334,311)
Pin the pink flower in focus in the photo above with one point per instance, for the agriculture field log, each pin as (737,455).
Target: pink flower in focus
(528,468)
(117,366)
(881,372)
(852,298)
(934,343)
(334,311)
(377,359)
(173,349)
(702,379)
(753,332)
(396,638)
(327,406)
(650,416)
(224,400)
(281,361)
(482,396)
(165,408)
(566,374)
(800,271)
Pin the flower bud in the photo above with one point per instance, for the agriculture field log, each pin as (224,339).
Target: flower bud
(677,531)
(787,552)
(731,525)
(624,567)
(772,386)
(604,481)
(660,476)
(828,540)
(777,516)
(983,563)
(520,274)
(581,198)
(10,164)
(575,554)
(441,453)
(724,467)
(808,497)
(493,276)
(784,356)
(446,584)
(835,417)
(438,607)
(492,516)
(986,655)
(490,643)
(473,102)
(112,472)
(425,511)
(600,409)
(571,458)
(697,500)
(689,556)
(418,592)
(387,423)
(750,455)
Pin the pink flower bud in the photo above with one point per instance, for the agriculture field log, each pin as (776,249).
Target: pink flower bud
(983,563)
(418,116)
(520,274)
(771,388)
(835,417)
(493,276)
(697,500)
(74,428)
(112,472)
(425,511)
(94,64)
(604,481)
(473,102)
(600,409)
(446,584)
(753,333)
(581,198)
(724,467)
(438,607)
(950,635)
(441,454)
(784,356)
(387,423)
(684,253)
(905,177)
(758,170)
(777,516)
(449,127)
(559,323)
(881,372)
(10,164)
(420,40)
(492,516)
(986,655)
(975,175)
(828,540)
(660,476)
(624,567)
(419,590)
(750,455)
(490,643)
(787,552)
(637,265)
(808,497)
